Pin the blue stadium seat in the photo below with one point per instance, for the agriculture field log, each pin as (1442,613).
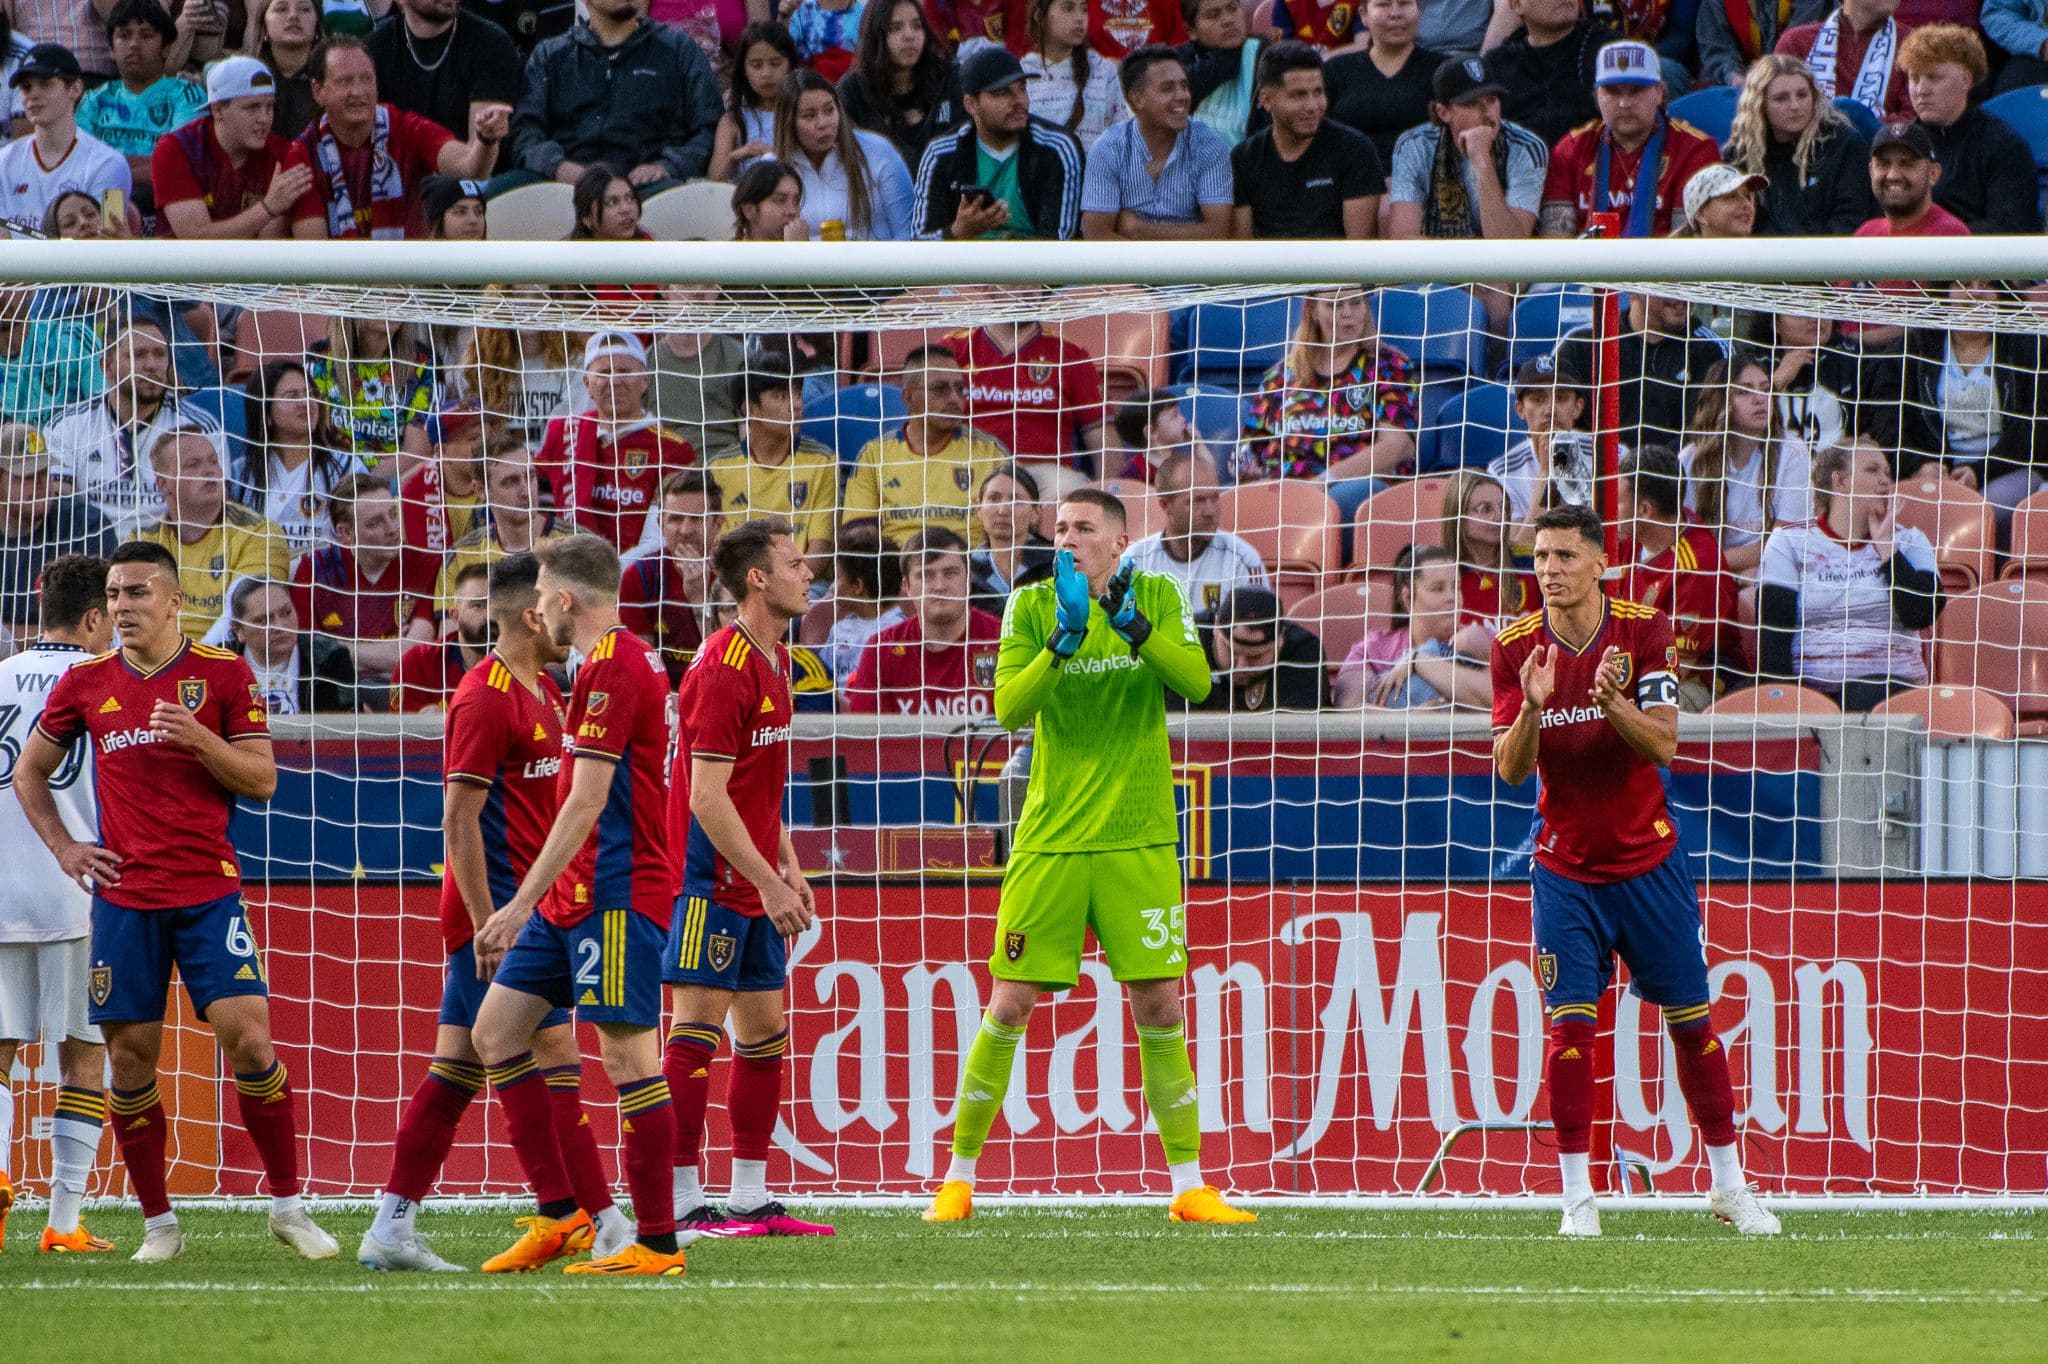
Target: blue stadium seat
(852,416)
(1712,110)
(1859,115)
(1231,345)
(1216,414)
(2026,112)
(1442,328)
(1472,430)
(1541,319)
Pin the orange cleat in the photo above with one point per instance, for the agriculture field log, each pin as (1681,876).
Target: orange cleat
(1207,1205)
(6,1202)
(78,1242)
(546,1239)
(953,1203)
(634,1259)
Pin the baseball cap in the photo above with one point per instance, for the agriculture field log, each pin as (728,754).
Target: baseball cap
(1251,608)
(613,343)
(236,77)
(23,451)
(1711,182)
(45,60)
(1543,371)
(1628,63)
(1460,79)
(446,423)
(990,68)
(1910,136)
(439,193)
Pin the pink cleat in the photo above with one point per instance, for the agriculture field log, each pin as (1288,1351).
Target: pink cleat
(772,1219)
(707,1219)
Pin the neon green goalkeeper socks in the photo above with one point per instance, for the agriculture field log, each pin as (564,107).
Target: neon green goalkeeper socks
(983,1082)
(1170,1091)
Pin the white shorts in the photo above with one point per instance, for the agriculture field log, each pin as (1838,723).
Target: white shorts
(43,989)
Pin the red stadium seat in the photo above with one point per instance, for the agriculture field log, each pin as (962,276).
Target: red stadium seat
(1996,638)
(1394,518)
(1958,522)
(1292,525)
(1775,698)
(2028,546)
(1953,712)
(1132,346)
(263,337)
(1341,615)
(1141,507)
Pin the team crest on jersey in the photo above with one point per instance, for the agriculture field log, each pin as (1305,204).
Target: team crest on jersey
(102,983)
(1628,669)
(963,478)
(799,493)
(597,702)
(192,693)
(217,565)
(1040,374)
(718,950)
(984,665)
(1013,945)
(636,460)
(1546,968)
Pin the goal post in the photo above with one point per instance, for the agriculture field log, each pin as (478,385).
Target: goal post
(1364,1005)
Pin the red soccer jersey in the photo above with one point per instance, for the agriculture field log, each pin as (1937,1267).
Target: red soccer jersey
(1574,167)
(427,675)
(620,714)
(507,740)
(1033,399)
(1487,597)
(177,176)
(1688,583)
(433,518)
(654,606)
(1323,23)
(161,812)
(1602,803)
(383,184)
(607,480)
(899,675)
(733,707)
(333,597)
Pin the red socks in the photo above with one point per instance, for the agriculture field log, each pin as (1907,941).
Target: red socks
(580,1158)
(266,1102)
(647,1122)
(686,1065)
(1571,1082)
(141,1131)
(754,1095)
(530,1115)
(427,1128)
(1703,1074)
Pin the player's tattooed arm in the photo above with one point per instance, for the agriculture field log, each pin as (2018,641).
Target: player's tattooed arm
(1557,219)
(1652,733)
(589,785)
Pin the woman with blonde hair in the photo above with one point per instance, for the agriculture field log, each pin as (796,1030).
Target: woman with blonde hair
(1492,590)
(522,378)
(1743,475)
(1339,405)
(1818,165)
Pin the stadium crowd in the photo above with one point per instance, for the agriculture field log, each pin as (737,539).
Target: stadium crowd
(333,504)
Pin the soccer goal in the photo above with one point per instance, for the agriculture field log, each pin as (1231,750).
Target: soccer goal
(1336,446)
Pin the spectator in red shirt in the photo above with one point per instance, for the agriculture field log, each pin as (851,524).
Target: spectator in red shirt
(359,590)
(1903,174)
(224,176)
(1492,590)
(428,673)
(442,499)
(1855,52)
(368,158)
(942,659)
(1039,394)
(604,467)
(1599,168)
(1677,569)
(664,597)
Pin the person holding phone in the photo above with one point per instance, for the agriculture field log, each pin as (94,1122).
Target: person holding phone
(1003,173)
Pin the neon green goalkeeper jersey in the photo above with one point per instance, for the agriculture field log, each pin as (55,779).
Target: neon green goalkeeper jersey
(1101,772)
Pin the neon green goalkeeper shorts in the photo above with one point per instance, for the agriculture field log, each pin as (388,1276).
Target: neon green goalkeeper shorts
(1131,898)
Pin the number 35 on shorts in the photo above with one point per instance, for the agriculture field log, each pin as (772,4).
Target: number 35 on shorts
(1166,930)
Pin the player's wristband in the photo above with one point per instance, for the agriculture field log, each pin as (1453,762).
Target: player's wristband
(1064,644)
(1135,629)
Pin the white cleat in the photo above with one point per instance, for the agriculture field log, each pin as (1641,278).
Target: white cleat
(408,1254)
(1744,1209)
(297,1230)
(1580,1219)
(160,1244)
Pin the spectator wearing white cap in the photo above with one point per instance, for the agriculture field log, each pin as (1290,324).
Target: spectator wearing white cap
(604,466)
(222,176)
(1720,201)
(55,158)
(1634,163)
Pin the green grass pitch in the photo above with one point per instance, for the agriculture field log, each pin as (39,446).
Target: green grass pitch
(1075,1283)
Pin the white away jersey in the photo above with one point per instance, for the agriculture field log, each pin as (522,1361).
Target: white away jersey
(38,903)
(108,463)
(28,188)
(1846,628)
(1226,562)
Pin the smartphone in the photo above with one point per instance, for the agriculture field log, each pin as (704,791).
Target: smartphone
(114,208)
(980,196)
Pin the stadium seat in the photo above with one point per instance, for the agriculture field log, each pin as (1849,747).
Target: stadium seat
(1394,518)
(700,211)
(1055,481)
(1958,522)
(1859,115)
(2028,545)
(853,416)
(1442,328)
(262,337)
(1996,638)
(1775,698)
(533,213)
(1472,429)
(1341,615)
(1231,345)
(1711,110)
(1953,712)
(1141,507)
(1132,345)
(2025,111)
(1541,320)
(1292,524)
(1217,416)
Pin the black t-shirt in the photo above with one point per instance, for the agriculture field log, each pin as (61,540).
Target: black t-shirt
(439,77)
(1549,90)
(1305,197)
(1380,106)
(527,21)
(70,526)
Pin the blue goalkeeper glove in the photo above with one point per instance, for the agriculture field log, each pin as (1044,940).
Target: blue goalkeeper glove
(1070,591)
(1120,604)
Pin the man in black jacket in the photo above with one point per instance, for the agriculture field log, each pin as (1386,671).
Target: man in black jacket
(1987,172)
(1261,660)
(1002,173)
(297,672)
(620,89)
(1545,68)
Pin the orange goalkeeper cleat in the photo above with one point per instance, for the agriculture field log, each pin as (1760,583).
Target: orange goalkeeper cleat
(953,1203)
(546,1239)
(1207,1205)
(78,1242)
(6,1202)
(634,1259)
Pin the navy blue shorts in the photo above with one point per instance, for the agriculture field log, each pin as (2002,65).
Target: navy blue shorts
(607,968)
(462,994)
(133,951)
(722,948)
(1652,921)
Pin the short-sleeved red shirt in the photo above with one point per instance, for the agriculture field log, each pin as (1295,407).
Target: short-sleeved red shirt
(1033,399)
(1602,803)
(733,706)
(1491,598)
(225,189)
(607,480)
(898,674)
(414,146)
(1689,583)
(619,713)
(507,740)
(428,675)
(161,812)
(1575,162)
(334,598)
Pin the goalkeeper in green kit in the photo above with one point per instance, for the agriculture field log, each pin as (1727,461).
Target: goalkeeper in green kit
(1085,660)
